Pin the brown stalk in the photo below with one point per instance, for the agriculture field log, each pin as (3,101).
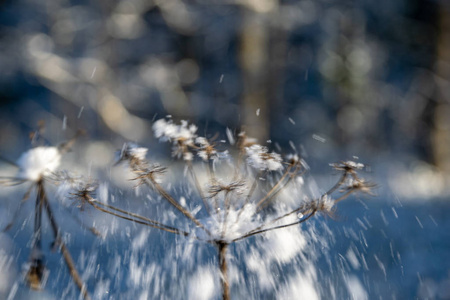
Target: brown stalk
(252,233)
(16,213)
(212,178)
(249,195)
(11,181)
(199,189)
(172,201)
(278,187)
(80,222)
(331,190)
(66,254)
(36,272)
(338,184)
(226,208)
(147,223)
(222,249)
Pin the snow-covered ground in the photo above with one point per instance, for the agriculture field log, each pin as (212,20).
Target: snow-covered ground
(391,247)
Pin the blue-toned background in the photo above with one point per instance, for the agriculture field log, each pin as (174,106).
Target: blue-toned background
(362,80)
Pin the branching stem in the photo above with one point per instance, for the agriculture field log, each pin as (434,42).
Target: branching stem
(172,201)
(17,211)
(252,233)
(199,189)
(65,252)
(148,222)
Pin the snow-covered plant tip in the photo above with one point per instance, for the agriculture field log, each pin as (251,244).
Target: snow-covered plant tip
(239,196)
(37,166)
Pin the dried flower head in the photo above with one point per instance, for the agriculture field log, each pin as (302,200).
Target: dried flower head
(245,141)
(359,184)
(149,172)
(207,151)
(326,204)
(182,136)
(74,186)
(292,159)
(237,186)
(82,190)
(132,153)
(348,166)
(85,189)
(259,158)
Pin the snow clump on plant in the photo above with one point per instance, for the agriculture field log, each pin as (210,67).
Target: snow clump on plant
(38,162)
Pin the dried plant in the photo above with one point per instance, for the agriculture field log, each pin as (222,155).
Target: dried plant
(38,166)
(241,195)
(238,205)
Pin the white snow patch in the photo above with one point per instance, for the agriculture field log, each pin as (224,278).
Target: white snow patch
(285,244)
(202,285)
(300,287)
(140,240)
(7,265)
(356,289)
(265,277)
(103,193)
(351,257)
(38,162)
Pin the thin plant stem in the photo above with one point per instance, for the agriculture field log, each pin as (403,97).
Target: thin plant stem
(65,252)
(66,146)
(35,274)
(274,188)
(227,209)
(212,178)
(345,195)
(11,181)
(17,211)
(338,184)
(159,224)
(279,186)
(252,233)
(176,231)
(249,195)
(199,189)
(82,224)
(334,188)
(172,201)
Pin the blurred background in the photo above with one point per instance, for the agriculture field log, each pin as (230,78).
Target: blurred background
(333,79)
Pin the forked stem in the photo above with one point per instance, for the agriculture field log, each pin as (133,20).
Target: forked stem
(65,252)
(17,211)
(136,218)
(174,203)
(36,271)
(199,188)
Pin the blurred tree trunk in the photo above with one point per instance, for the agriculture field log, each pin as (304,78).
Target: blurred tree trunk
(262,57)
(254,64)
(441,131)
